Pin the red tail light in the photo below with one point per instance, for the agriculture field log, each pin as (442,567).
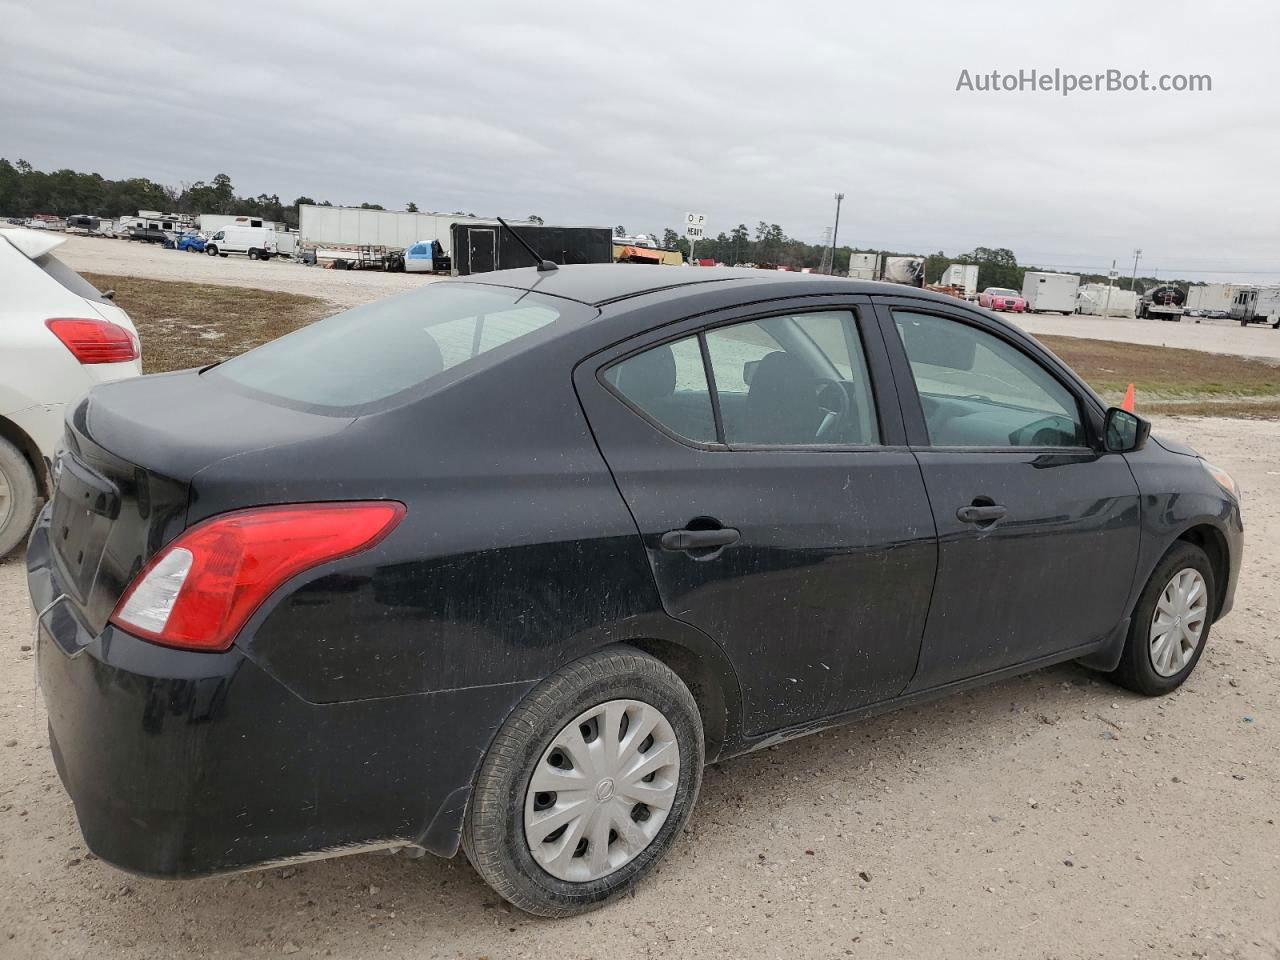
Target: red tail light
(200,590)
(94,341)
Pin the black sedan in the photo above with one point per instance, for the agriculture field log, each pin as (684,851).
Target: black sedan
(500,564)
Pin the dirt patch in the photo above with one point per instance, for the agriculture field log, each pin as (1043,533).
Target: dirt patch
(193,324)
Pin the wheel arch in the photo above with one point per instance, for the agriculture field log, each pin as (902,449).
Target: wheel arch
(1214,544)
(31,453)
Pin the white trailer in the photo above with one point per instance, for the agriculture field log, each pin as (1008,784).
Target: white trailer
(1256,305)
(963,275)
(1050,292)
(1092,298)
(338,227)
(210,223)
(1213,299)
(908,271)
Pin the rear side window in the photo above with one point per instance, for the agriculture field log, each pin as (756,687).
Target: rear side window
(669,385)
(781,381)
(979,391)
(373,353)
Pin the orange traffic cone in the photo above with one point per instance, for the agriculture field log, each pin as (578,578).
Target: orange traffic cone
(1127,403)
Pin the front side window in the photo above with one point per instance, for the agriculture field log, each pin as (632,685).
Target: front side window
(374,352)
(780,381)
(979,391)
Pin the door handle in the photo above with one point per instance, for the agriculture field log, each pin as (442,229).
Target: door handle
(980,513)
(677,541)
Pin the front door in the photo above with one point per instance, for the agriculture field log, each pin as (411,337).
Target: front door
(763,462)
(1038,531)
(482,249)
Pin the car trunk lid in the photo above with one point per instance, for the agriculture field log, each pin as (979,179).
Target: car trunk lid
(125,478)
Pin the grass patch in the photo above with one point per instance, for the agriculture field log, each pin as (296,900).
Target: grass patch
(1173,380)
(194,324)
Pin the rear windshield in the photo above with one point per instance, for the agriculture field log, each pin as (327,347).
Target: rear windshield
(369,355)
(68,278)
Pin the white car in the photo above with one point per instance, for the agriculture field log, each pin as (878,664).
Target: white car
(58,337)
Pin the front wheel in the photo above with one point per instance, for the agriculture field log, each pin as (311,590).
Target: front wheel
(19,496)
(211,251)
(1170,624)
(587,785)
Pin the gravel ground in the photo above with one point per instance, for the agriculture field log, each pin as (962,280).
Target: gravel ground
(347,288)
(350,288)
(1051,816)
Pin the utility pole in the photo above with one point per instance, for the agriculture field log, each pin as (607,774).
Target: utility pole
(1111,278)
(831,264)
(1133,281)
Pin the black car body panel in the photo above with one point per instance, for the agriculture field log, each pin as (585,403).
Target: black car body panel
(357,703)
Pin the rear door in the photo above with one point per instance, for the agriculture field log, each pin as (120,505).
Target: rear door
(762,456)
(1038,531)
(482,249)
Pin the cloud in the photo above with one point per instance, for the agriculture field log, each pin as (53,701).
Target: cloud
(633,114)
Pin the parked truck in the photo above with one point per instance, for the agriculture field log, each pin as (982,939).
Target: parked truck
(878,266)
(1050,292)
(1163,302)
(963,276)
(1256,305)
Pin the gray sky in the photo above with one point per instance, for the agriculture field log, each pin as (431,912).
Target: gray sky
(634,113)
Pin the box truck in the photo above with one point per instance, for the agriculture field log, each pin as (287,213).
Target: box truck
(878,266)
(1050,292)
(962,275)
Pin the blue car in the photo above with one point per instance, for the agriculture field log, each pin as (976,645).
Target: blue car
(192,242)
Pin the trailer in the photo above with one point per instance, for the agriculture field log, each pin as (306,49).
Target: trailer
(1050,292)
(962,275)
(1213,299)
(479,248)
(906,270)
(1256,305)
(1094,299)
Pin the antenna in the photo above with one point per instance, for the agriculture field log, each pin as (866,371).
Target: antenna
(543,265)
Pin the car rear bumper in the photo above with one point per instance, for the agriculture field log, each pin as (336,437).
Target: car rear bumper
(182,763)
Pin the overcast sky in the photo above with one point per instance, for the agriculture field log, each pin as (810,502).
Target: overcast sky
(635,113)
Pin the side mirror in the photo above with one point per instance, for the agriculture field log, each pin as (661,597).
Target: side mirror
(1125,432)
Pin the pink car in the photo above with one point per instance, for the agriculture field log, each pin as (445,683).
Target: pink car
(1002,298)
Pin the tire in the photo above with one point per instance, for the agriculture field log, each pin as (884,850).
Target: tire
(253,253)
(1137,670)
(211,251)
(19,497)
(494,835)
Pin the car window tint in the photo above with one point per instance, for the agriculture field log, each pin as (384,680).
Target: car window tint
(669,384)
(979,391)
(376,351)
(793,380)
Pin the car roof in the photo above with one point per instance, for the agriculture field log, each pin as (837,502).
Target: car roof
(597,284)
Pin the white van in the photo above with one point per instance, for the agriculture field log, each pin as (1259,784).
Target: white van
(259,243)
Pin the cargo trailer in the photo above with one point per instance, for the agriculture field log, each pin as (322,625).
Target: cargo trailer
(479,248)
(1213,299)
(1050,292)
(962,275)
(1093,299)
(906,270)
(1256,305)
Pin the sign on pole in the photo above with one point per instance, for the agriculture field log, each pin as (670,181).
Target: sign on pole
(693,224)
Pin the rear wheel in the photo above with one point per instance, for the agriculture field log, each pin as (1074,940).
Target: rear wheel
(1170,624)
(19,496)
(587,784)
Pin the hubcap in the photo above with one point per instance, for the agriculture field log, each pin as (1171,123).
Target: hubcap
(602,790)
(1178,623)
